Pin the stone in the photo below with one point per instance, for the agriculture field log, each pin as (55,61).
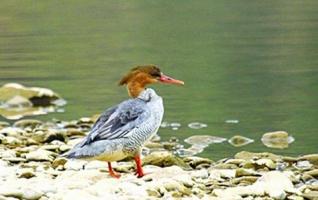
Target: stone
(303,165)
(74,132)
(245,155)
(60,161)
(245,172)
(31,194)
(277,139)
(204,140)
(40,155)
(19,101)
(203,173)
(311,195)
(266,162)
(12,131)
(195,161)
(38,96)
(239,141)
(218,174)
(275,184)
(163,159)
(10,141)
(27,123)
(312,158)
(25,173)
(4,124)
(313,173)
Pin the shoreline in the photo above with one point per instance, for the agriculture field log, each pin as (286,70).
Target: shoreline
(31,168)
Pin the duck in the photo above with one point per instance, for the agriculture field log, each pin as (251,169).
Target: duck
(121,130)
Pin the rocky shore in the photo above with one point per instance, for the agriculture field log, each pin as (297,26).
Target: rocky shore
(31,168)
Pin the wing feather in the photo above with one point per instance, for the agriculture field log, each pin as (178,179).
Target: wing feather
(118,121)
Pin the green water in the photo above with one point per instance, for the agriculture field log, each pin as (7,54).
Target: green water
(254,61)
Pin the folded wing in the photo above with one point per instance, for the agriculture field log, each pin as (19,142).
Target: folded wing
(118,121)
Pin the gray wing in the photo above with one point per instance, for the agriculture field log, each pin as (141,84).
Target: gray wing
(119,121)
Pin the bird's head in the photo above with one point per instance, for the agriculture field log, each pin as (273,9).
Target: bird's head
(137,78)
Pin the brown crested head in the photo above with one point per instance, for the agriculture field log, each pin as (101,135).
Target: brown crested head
(143,73)
(137,78)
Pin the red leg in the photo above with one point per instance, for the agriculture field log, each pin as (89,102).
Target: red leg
(139,171)
(111,171)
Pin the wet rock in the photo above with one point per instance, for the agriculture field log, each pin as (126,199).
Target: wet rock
(204,140)
(239,141)
(164,159)
(38,96)
(19,101)
(191,151)
(27,123)
(277,139)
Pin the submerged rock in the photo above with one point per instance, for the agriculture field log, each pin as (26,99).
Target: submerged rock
(204,140)
(19,101)
(277,139)
(239,141)
(197,125)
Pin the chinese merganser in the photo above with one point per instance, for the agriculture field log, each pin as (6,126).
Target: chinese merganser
(121,130)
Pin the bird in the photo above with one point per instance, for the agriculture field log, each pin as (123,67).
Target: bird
(121,130)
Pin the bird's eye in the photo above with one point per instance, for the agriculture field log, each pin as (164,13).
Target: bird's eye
(155,74)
